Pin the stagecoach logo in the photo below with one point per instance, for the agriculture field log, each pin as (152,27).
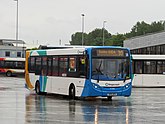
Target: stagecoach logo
(108,85)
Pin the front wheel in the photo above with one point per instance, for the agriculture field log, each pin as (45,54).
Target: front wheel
(37,88)
(72,92)
(8,73)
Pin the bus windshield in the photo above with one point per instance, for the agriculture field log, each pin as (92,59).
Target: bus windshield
(110,69)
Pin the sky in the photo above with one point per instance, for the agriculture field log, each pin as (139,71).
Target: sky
(54,21)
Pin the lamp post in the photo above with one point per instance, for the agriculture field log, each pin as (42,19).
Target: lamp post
(17,21)
(82,41)
(16,26)
(103,32)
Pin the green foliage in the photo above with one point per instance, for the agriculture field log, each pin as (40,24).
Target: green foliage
(118,39)
(95,37)
(76,39)
(142,28)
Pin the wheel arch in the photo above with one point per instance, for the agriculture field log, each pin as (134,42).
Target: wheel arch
(37,84)
(37,81)
(72,85)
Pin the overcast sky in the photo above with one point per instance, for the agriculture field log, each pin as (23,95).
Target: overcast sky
(49,21)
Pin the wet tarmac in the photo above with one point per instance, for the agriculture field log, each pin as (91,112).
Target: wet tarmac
(19,106)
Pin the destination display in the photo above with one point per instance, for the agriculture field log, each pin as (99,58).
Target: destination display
(109,53)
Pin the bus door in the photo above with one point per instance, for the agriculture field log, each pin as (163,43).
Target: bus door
(45,80)
(138,73)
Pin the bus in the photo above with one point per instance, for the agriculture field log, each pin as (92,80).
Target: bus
(80,72)
(12,66)
(148,70)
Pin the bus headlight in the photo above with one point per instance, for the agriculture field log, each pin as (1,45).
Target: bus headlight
(95,86)
(126,86)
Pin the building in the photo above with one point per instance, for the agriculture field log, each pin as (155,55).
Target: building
(147,44)
(12,48)
(149,62)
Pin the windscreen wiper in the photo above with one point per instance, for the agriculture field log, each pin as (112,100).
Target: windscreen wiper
(99,71)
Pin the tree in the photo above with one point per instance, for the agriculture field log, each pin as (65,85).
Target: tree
(142,28)
(117,40)
(156,26)
(76,39)
(95,37)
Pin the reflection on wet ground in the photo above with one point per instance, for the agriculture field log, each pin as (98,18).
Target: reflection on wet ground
(59,110)
(18,105)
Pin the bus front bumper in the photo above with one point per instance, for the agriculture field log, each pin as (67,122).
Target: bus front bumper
(92,89)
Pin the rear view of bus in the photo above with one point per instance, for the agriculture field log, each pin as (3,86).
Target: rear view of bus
(92,71)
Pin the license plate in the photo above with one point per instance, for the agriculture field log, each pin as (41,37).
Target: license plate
(112,94)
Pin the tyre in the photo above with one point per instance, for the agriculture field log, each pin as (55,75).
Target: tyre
(72,92)
(37,88)
(8,73)
(109,98)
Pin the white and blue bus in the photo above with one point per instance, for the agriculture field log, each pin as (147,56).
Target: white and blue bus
(93,71)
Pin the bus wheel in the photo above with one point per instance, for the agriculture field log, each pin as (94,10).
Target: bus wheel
(8,73)
(37,88)
(72,92)
(109,98)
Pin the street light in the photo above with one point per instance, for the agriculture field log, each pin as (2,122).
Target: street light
(17,21)
(103,32)
(82,29)
(16,26)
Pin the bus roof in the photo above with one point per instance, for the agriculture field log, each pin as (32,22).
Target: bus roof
(68,51)
(74,46)
(148,57)
(12,59)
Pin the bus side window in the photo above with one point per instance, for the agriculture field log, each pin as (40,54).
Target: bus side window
(44,66)
(38,66)
(31,64)
(138,67)
(55,65)
(19,65)
(49,66)
(2,64)
(9,64)
(63,66)
(72,64)
(82,62)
